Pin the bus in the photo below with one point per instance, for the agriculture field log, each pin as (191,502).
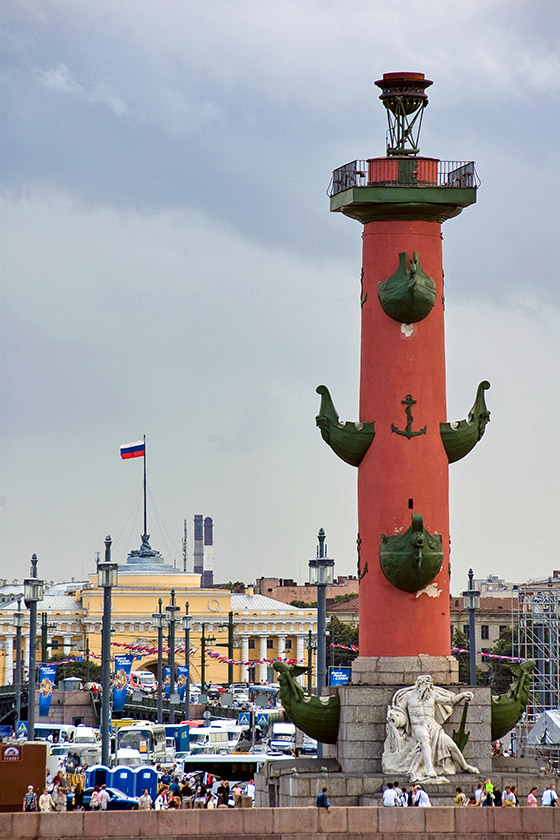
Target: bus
(238,767)
(143,741)
(56,733)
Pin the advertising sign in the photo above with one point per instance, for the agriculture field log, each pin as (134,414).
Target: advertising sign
(339,676)
(182,680)
(121,680)
(47,675)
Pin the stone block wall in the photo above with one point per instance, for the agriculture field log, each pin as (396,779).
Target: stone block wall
(286,823)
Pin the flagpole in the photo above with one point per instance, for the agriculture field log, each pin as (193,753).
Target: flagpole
(145,508)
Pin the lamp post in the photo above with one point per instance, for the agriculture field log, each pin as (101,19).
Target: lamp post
(19,618)
(204,640)
(472,602)
(310,649)
(157,623)
(33,591)
(107,577)
(187,625)
(321,573)
(171,619)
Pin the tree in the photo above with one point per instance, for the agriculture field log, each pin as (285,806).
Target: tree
(343,634)
(303,605)
(499,675)
(86,670)
(460,640)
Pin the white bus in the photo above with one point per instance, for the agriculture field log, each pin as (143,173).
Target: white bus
(56,733)
(239,767)
(142,740)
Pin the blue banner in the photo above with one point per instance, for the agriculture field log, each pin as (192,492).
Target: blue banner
(47,675)
(121,679)
(182,680)
(167,681)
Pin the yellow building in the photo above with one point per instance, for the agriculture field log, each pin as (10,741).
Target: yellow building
(264,629)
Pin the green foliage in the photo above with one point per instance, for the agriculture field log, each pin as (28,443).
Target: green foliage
(342,634)
(460,640)
(339,599)
(303,605)
(499,675)
(87,671)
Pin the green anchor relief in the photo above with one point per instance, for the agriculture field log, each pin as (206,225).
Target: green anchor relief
(408,295)
(407,432)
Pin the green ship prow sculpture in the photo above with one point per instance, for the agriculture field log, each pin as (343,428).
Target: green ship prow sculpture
(318,717)
(506,709)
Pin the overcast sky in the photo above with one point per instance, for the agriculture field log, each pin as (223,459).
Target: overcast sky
(170,268)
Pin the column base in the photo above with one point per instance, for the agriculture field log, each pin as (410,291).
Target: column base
(403,670)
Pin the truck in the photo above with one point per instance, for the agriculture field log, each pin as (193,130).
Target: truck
(282,737)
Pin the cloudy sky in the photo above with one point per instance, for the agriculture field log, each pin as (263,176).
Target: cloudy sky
(170,268)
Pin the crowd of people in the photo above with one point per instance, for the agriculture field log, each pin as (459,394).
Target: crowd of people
(174,790)
(486,794)
(395,796)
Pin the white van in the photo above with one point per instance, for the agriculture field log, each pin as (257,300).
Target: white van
(205,739)
(144,680)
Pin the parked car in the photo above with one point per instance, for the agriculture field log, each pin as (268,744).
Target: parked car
(118,801)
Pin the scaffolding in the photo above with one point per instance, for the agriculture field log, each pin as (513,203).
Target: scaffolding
(535,636)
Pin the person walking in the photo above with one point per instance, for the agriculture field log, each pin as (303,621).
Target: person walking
(421,798)
(103,798)
(532,798)
(549,796)
(145,802)
(322,800)
(45,802)
(30,799)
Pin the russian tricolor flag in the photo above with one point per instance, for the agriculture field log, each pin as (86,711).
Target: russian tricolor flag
(133,450)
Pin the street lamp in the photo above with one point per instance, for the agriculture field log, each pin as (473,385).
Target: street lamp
(107,577)
(472,602)
(171,619)
(33,591)
(186,623)
(18,619)
(321,573)
(158,620)
(204,640)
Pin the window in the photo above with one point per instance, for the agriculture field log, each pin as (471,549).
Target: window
(484,631)
(251,644)
(269,644)
(466,629)
(288,644)
(503,627)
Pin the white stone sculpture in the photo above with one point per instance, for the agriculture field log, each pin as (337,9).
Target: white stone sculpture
(416,743)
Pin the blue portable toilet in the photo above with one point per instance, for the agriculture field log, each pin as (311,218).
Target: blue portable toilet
(122,778)
(145,777)
(97,774)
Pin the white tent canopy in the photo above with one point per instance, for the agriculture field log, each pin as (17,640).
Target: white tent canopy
(546,729)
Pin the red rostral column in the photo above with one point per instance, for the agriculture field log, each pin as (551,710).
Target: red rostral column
(402,445)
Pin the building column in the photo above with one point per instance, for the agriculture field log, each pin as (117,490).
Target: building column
(281,647)
(244,658)
(263,667)
(300,647)
(9,660)
(67,642)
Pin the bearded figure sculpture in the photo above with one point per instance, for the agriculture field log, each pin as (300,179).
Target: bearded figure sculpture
(416,743)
